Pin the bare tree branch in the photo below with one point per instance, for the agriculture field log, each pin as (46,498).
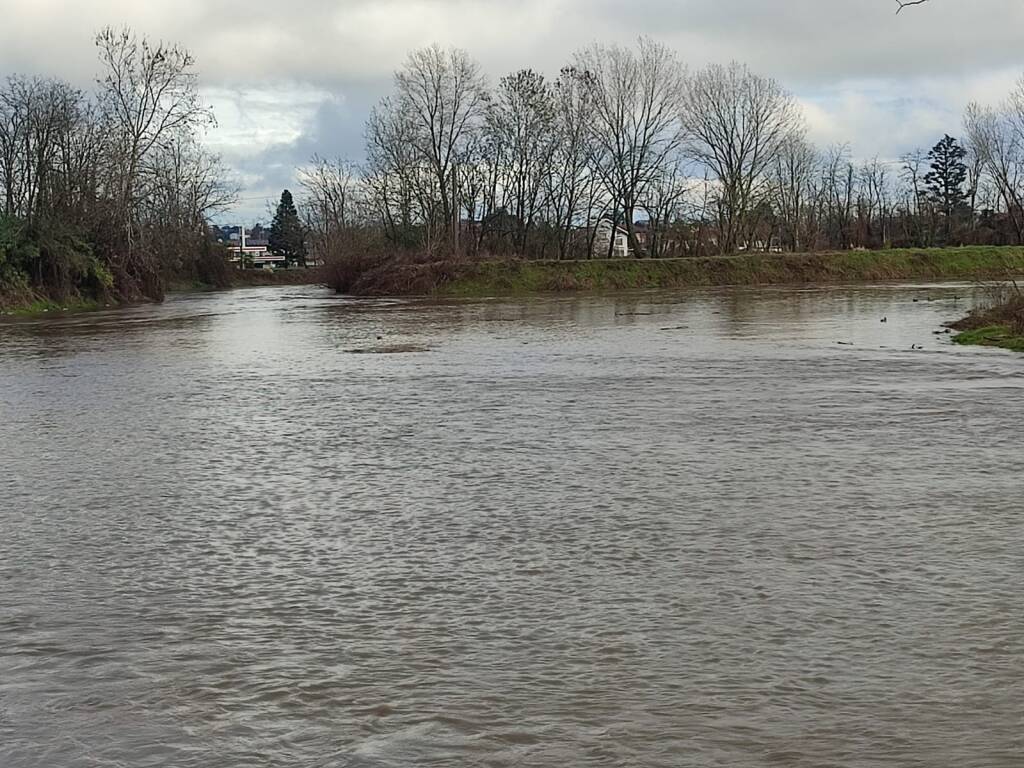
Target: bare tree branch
(907,3)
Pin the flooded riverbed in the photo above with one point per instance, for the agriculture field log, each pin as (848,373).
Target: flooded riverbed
(273,527)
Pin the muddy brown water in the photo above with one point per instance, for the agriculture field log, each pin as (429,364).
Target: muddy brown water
(634,530)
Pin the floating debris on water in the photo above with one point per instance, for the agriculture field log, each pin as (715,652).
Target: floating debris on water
(388,349)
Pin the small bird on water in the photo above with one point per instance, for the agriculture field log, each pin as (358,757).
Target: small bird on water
(885,319)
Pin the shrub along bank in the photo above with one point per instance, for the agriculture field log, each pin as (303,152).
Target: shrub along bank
(1000,324)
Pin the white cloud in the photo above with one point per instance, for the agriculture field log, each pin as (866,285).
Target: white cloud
(249,119)
(876,119)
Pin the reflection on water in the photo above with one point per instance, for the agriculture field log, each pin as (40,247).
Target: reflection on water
(734,528)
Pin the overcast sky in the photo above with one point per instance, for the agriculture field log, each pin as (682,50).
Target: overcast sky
(288,79)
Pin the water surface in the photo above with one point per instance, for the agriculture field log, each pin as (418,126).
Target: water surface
(745,527)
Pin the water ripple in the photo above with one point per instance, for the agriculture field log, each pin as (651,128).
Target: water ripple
(563,537)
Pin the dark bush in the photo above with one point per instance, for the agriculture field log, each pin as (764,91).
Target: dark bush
(348,255)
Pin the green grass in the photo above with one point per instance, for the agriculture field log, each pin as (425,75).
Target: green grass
(46,306)
(992,336)
(489,278)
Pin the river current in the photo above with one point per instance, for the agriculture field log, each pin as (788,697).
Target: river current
(741,527)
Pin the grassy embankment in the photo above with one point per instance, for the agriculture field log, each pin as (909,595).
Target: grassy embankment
(490,278)
(43,306)
(250,278)
(999,325)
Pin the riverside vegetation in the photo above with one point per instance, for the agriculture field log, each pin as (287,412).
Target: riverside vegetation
(688,178)
(997,323)
(106,194)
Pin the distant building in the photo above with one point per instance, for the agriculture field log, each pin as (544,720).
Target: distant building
(257,256)
(610,240)
(249,247)
(644,233)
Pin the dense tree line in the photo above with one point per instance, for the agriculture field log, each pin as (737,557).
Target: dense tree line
(626,140)
(108,192)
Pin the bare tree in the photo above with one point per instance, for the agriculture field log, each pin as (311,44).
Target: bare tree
(913,167)
(180,188)
(996,136)
(148,93)
(874,203)
(635,98)
(794,168)
(339,208)
(664,204)
(37,118)
(521,124)
(570,180)
(333,194)
(184,184)
(837,192)
(737,123)
(397,176)
(443,93)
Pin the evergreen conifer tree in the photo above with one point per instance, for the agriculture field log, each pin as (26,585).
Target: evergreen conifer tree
(287,236)
(945,182)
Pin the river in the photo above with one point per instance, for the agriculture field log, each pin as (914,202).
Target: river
(741,527)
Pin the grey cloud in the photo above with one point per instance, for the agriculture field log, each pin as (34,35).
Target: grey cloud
(335,43)
(867,76)
(335,130)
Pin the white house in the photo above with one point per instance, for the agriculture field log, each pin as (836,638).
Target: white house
(256,254)
(605,232)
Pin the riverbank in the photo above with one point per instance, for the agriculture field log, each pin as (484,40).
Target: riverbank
(999,325)
(26,303)
(250,278)
(36,306)
(254,277)
(490,278)
(992,336)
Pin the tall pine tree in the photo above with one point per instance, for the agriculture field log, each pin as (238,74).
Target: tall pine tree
(945,182)
(287,237)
